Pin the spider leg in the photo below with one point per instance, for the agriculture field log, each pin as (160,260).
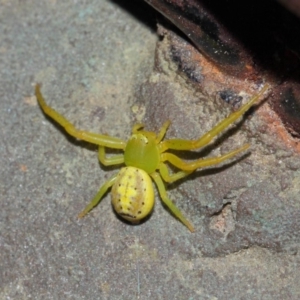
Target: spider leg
(163,131)
(180,144)
(165,174)
(163,194)
(202,162)
(94,138)
(98,196)
(109,161)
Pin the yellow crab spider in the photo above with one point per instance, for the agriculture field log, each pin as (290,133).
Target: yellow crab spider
(145,156)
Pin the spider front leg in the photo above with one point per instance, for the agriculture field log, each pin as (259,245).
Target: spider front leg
(180,144)
(98,196)
(94,138)
(202,162)
(164,197)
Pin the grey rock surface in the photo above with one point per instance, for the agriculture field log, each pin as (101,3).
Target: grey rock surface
(95,63)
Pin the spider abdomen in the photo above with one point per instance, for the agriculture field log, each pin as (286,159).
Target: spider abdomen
(132,194)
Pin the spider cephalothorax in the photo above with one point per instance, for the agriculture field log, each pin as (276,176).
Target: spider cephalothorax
(145,156)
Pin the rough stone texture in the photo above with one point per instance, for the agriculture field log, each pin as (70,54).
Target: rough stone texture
(254,198)
(95,62)
(249,42)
